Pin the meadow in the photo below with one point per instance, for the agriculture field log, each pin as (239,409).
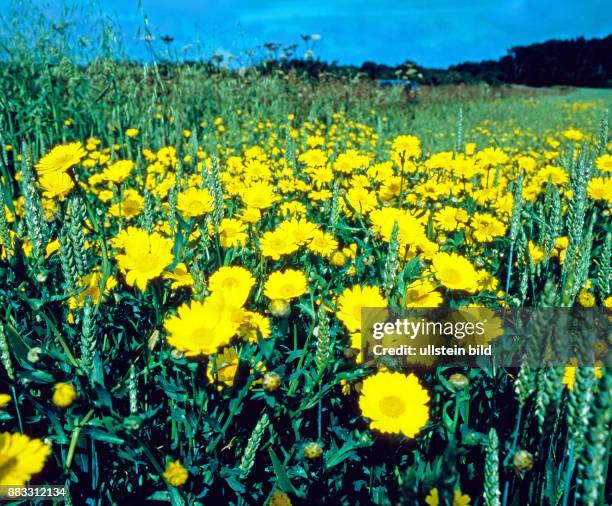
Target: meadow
(185,254)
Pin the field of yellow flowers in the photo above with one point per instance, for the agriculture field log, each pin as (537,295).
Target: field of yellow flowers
(184,262)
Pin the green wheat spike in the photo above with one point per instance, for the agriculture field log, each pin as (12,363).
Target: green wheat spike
(216,190)
(491,477)
(592,477)
(602,140)
(250,451)
(552,224)
(5,353)
(459,131)
(575,226)
(67,260)
(5,235)
(88,338)
(33,212)
(335,204)
(76,220)
(324,345)
(579,405)
(391,262)
(147,219)
(524,384)
(584,260)
(172,203)
(604,269)
(132,386)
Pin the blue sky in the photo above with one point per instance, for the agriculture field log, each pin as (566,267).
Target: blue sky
(434,33)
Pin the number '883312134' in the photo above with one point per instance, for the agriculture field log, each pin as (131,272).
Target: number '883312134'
(48,492)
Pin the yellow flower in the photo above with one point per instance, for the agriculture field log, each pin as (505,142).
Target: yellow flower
(232,233)
(252,324)
(61,158)
(600,188)
(20,458)
(586,298)
(323,243)
(422,293)
(118,171)
(285,285)
(394,403)
(408,146)
(200,328)
(604,163)
(145,256)
(556,175)
(91,288)
(259,196)
(573,134)
(131,132)
(279,498)
(224,367)
(569,374)
(486,227)
(251,215)
(180,276)
(338,259)
(277,243)
(64,395)
(176,474)
(490,157)
(55,184)
(449,218)
(313,158)
(535,252)
(232,283)
(132,205)
(361,200)
(459,499)
(4,400)
(52,247)
(195,202)
(349,161)
(351,302)
(299,231)
(455,272)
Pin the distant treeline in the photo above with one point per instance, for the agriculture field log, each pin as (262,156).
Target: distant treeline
(575,62)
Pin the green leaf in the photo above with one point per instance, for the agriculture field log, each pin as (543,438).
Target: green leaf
(106,437)
(281,475)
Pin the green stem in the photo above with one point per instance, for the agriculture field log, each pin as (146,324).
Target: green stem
(75,437)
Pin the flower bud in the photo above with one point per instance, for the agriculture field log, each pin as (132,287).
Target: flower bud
(34,354)
(64,395)
(350,353)
(471,438)
(458,381)
(522,460)
(177,354)
(338,259)
(271,381)
(312,450)
(279,308)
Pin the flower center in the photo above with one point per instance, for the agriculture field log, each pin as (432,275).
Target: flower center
(230,283)
(287,289)
(452,276)
(196,207)
(392,406)
(148,262)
